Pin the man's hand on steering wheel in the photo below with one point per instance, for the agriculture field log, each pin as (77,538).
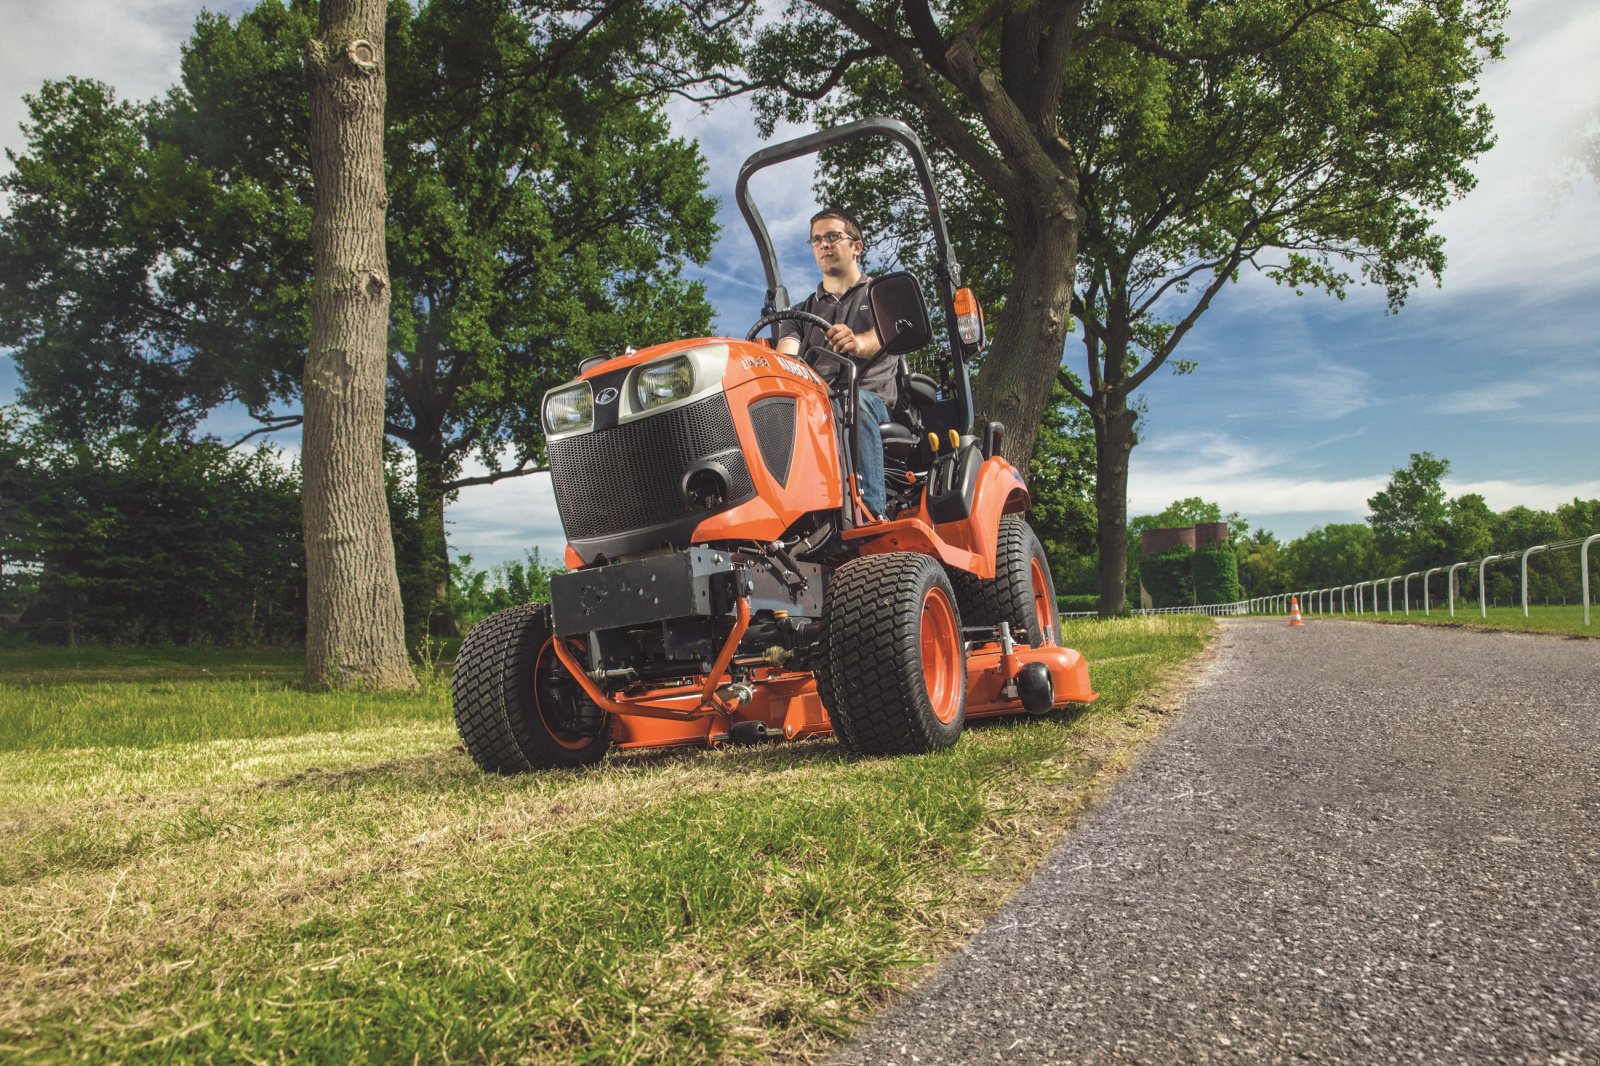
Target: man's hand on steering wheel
(792,315)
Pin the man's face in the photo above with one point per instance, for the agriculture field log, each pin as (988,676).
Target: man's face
(834,257)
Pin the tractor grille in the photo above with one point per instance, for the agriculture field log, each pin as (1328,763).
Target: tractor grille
(774,424)
(631,477)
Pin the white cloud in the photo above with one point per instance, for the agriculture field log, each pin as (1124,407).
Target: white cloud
(1516,229)
(1237,475)
(1254,480)
(130,44)
(1541,496)
(500,522)
(1475,401)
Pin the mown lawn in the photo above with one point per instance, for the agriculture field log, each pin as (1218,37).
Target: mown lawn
(220,865)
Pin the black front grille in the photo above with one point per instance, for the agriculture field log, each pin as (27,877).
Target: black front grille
(774,425)
(631,477)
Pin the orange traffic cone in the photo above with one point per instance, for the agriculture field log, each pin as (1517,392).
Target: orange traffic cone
(1294,611)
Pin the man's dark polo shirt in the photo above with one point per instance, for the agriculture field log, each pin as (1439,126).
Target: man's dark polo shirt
(877,374)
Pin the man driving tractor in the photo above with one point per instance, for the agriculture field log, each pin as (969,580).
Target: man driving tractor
(841,299)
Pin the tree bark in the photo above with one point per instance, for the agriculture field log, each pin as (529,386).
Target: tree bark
(355,625)
(1114,439)
(1020,370)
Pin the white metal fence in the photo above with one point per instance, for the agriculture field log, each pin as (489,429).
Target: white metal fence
(1354,599)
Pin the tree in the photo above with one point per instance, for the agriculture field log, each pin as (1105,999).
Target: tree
(1336,554)
(355,625)
(1411,516)
(1261,564)
(157,260)
(1162,148)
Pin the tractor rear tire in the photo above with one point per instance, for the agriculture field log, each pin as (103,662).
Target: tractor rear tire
(894,672)
(516,707)
(1022,592)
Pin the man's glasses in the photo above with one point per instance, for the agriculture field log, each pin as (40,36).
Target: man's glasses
(831,237)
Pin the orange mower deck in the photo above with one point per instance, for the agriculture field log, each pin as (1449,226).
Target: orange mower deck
(788,705)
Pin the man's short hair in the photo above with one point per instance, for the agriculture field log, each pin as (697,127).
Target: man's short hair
(851,226)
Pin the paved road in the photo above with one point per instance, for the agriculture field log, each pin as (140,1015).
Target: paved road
(1357,843)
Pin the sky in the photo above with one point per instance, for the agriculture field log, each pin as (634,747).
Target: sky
(1301,406)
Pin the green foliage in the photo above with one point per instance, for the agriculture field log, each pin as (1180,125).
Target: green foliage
(1410,516)
(140,538)
(1078,602)
(1186,143)
(156,261)
(1061,482)
(1215,572)
(1335,554)
(1168,577)
(480,593)
(1262,568)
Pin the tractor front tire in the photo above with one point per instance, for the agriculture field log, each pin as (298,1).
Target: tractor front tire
(1022,592)
(516,707)
(894,672)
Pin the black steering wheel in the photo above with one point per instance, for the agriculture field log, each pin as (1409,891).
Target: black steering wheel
(787,315)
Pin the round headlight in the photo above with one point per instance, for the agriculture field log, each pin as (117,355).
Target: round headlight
(663,382)
(569,409)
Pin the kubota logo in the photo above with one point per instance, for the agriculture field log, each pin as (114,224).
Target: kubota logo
(606,396)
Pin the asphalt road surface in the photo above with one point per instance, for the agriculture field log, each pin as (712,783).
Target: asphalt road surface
(1357,843)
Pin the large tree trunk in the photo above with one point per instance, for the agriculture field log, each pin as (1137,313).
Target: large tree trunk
(355,626)
(1020,370)
(1114,439)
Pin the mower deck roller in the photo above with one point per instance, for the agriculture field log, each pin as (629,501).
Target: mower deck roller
(727,585)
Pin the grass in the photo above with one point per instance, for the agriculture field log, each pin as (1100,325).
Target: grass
(1541,619)
(355,889)
(58,698)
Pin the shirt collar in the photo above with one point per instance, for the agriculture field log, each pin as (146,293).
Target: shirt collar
(824,294)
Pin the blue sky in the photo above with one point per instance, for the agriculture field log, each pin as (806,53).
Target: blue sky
(1301,406)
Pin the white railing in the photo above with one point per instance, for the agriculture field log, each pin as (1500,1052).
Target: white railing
(1333,599)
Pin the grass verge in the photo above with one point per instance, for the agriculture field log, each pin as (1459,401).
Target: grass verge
(366,893)
(1567,620)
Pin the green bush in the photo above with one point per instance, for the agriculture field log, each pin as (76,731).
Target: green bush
(476,594)
(1215,571)
(1167,576)
(141,539)
(1077,602)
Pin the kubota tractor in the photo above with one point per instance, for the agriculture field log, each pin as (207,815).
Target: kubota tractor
(727,585)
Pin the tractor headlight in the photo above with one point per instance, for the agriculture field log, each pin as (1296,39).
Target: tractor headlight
(569,409)
(663,382)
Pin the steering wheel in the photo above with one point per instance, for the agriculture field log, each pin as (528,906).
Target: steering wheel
(787,315)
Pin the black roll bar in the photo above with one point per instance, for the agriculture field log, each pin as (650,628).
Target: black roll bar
(947,272)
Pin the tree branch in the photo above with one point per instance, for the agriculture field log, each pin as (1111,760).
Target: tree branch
(274,423)
(493,476)
(1072,387)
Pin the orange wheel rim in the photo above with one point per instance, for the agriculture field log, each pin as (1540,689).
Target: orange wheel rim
(1044,615)
(574,741)
(941,655)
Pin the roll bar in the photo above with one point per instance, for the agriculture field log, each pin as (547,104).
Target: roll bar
(947,272)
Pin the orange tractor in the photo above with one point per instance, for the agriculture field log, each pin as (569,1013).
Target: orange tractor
(727,585)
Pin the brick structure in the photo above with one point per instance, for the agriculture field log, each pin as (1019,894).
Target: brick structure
(1152,541)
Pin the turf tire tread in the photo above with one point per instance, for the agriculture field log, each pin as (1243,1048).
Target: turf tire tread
(871,680)
(492,691)
(1009,597)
